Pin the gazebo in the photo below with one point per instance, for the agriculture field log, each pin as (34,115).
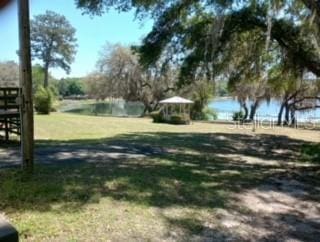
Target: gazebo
(176,106)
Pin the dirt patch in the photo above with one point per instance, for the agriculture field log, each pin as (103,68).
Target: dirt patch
(280,210)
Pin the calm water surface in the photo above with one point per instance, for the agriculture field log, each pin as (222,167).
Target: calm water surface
(226,107)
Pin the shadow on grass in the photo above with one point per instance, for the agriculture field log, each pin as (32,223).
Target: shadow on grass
(152,169)
(158,169)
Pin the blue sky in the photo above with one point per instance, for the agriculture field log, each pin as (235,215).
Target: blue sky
(92,32)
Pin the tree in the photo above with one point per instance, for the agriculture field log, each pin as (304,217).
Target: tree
(202,92)
(296,91)
(53,42)
(202,29)
(98,86)
(70,87)
(120,75)
(222,88)
(202,35)
(9,74)
(122,70)
(248,71)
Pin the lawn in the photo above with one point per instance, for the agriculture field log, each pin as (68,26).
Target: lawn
(128,179)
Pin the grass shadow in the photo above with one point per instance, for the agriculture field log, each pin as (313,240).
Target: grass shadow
(162,170)
(156,169)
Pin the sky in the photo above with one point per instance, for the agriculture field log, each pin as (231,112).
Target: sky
(92,32)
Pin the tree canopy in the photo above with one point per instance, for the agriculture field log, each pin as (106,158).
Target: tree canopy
(119,75)
(201,31)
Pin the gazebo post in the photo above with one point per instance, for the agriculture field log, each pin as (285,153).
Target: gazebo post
(166,109)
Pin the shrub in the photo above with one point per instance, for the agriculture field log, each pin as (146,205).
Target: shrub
(209,114)
(157,116)
(205,114)
(43,101)
(238,116)
(179,119)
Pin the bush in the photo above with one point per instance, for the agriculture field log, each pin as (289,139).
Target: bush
(179,119)
(238,116)
(205,114)
(157,116)
(209,114)
(43,101)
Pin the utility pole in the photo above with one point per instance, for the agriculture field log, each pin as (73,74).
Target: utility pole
(26,104)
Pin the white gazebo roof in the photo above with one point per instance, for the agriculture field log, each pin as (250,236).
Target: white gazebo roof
(176,100)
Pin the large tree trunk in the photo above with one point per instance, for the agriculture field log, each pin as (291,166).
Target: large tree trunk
(148,108)
(293,117)
(245,109)
(287,114)
(253,110)
(46,76)
(281,113)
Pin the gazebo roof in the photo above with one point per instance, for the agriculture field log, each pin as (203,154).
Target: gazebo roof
(176,100)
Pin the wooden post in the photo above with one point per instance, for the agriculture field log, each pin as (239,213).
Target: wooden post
(26,106)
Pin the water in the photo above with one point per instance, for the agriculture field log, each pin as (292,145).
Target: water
(226,107)
(117,109)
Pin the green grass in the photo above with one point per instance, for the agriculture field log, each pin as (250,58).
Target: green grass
(170,185)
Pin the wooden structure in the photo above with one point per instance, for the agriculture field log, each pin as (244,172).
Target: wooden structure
(26,103)
(176,106)
(25,94)
(9,112)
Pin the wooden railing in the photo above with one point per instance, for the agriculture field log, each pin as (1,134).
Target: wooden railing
(9,112)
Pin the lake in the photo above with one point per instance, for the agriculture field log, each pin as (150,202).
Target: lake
(116,109)
(225,107)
